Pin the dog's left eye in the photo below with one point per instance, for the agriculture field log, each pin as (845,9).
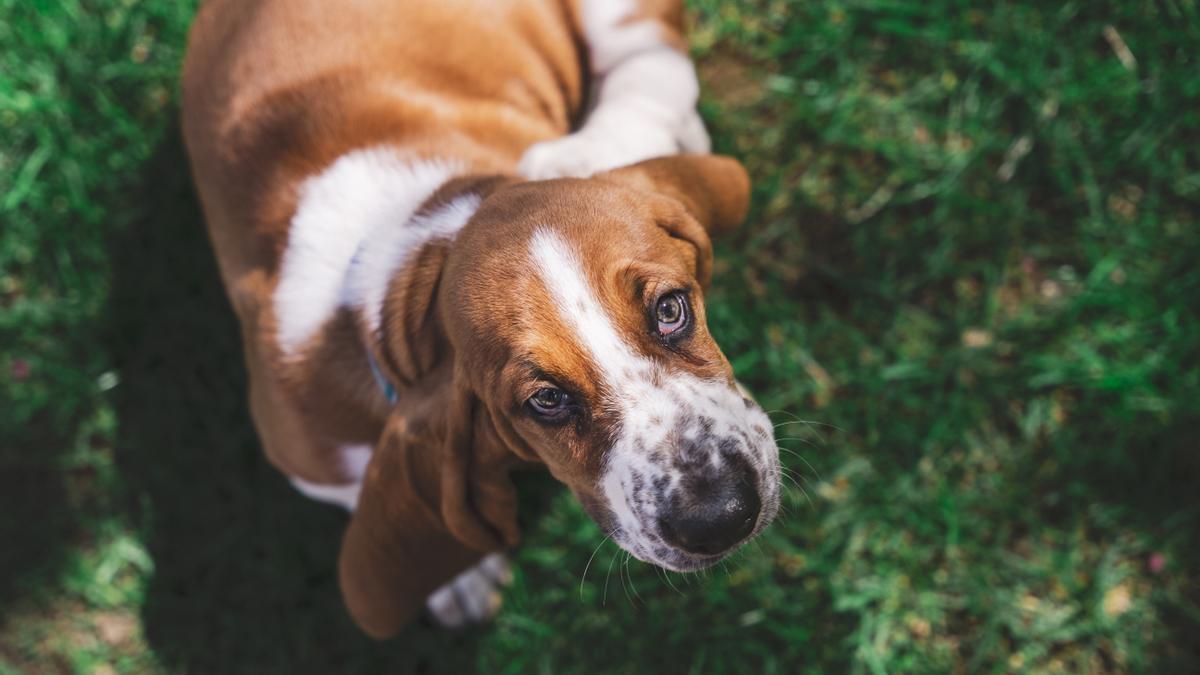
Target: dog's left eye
(671,313)
(550,402)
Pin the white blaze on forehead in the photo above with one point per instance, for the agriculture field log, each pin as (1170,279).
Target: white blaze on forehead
(561,273)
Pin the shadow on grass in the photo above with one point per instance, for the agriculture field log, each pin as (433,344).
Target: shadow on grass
(244,567)
(37,521)
(1155,489)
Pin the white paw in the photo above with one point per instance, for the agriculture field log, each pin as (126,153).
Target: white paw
(692,135)
(473,596)
(613,138)
(597,148)
(588,151)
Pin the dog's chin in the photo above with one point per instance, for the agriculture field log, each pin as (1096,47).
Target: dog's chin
(670,557)
(666,556)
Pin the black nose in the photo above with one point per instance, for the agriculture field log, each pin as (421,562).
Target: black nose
(711,516)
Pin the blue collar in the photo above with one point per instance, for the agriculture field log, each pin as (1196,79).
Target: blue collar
(389,391)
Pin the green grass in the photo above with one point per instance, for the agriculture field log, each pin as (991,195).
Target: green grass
(968,288)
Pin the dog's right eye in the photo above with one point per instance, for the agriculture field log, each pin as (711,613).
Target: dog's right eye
(551,402)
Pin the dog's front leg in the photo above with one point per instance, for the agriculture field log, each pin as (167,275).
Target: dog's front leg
(473,596)
(645,92)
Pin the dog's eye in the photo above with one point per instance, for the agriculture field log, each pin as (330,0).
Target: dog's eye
(550,401)
(671,312)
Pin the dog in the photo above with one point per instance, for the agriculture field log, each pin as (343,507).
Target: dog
(448,266)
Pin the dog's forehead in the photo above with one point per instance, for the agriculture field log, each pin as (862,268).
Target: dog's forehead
(580,313)
(612,236)
(596,313)
(599,217)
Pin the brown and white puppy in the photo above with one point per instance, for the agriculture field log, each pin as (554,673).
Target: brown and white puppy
(420,318)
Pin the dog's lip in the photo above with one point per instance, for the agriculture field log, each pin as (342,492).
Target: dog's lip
(694,562)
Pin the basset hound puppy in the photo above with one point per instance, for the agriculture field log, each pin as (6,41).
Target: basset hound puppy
(447,267)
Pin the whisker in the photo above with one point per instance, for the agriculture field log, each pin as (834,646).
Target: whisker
(797,438)
(795,454)
(799,487)
(629,572)
(786,423)
(583,577)
(793,474)
(663,574)
(810,424)
(667,576)
(796,419)
(801,490)
(623,572)
(806,462)
(604,602)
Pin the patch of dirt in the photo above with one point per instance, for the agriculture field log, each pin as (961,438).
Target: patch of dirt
(731,80)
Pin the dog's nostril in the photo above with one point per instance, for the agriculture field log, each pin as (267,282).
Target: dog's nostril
(715,523)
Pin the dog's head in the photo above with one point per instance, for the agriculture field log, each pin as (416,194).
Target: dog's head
(577,310)
(575,313)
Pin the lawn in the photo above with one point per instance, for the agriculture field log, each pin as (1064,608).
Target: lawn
(968,291)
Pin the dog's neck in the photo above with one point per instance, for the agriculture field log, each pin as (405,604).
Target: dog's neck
(368,237)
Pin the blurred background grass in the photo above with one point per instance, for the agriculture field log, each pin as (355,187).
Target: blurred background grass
(968,292)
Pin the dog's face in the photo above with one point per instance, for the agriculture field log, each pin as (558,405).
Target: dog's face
(579,304)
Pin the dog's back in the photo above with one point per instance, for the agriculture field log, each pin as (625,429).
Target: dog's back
(274,90)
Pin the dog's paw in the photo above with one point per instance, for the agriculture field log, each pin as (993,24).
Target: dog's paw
(603,144)
(613,140)
(692,135)
(473,596)
(586,152)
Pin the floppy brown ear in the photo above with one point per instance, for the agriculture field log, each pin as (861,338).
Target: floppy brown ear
(436,497)
(714,189)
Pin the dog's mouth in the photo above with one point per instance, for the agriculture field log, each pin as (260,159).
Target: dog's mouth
(650,547)
(644,537)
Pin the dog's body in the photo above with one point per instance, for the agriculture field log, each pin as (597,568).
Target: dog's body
(394,279)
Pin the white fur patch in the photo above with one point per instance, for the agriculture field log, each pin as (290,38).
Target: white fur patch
(354,459)
(610,38)
(345,496)
(390,246)
(473,596)
(652,404)
(645,94)
(362,192)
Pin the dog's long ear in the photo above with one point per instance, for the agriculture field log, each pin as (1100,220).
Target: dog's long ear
(713,190)
(436,497)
